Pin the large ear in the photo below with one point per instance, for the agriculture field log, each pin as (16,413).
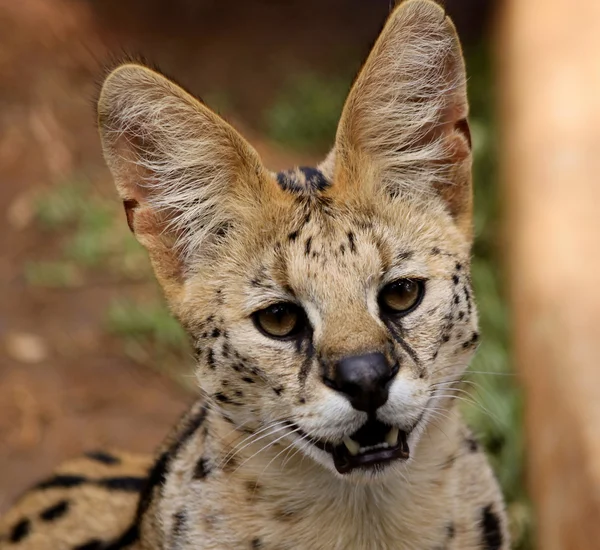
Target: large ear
(404,125)
(186,177)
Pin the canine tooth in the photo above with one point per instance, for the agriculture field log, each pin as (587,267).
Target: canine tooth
(392,437)
(352,446)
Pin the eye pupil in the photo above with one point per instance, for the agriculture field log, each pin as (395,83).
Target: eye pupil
(280,320)
(402,296)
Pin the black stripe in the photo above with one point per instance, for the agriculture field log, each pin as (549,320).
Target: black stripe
(403,344)
(126,539)
(159,470)
(130,484)
(62,481)
(56,511)
(124,483)
(103,457)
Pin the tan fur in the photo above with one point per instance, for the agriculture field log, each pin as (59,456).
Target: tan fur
(228,238)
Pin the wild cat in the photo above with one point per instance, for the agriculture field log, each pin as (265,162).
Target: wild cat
(332,317)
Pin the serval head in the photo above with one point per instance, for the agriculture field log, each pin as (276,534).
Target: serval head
(332,305)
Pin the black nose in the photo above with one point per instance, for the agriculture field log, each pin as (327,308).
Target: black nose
(363,379)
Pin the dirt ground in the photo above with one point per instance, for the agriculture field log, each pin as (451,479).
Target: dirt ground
(65,386)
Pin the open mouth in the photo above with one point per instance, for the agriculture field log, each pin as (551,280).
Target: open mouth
(373,445)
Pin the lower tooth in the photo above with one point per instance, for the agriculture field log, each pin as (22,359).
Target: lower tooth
(392,437)
(352,446)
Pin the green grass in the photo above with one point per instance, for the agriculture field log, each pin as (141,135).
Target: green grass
(95,244)
(306,113)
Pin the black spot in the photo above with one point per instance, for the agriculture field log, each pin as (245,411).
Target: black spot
(225,350)
(351,242)
(446,338)
(302,400)
(222,398)
(55,512)
(472,443)
(314,178)
(293,235)
(455,279)
(307,246)
(202,469)
(461,315)
(124,483)
(20,531)
(256,544)
(210,359)
(456,299)
(253,487)
(283,180)
(179,521)
(278,390)
(472,342)
(103,457)
(62,481)
(248,380)
(450,531)
(405,256)
(492,532)
(94,544)
(458,266)
(216,333)
(436,251)
(239,393)
(342,249)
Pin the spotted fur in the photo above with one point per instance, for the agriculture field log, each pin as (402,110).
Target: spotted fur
(228,238)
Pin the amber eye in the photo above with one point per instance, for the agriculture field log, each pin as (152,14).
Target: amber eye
(280,320)
(401,296)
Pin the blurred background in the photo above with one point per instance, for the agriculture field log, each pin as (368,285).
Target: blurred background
(89,356)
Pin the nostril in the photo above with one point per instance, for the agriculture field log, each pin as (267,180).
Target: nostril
(363,379)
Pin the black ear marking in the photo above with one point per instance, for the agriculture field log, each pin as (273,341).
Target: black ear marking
(130,205)
(464,128)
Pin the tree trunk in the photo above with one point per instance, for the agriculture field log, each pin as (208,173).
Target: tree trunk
(550,112)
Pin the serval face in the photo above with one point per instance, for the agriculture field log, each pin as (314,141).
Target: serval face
(330,307)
